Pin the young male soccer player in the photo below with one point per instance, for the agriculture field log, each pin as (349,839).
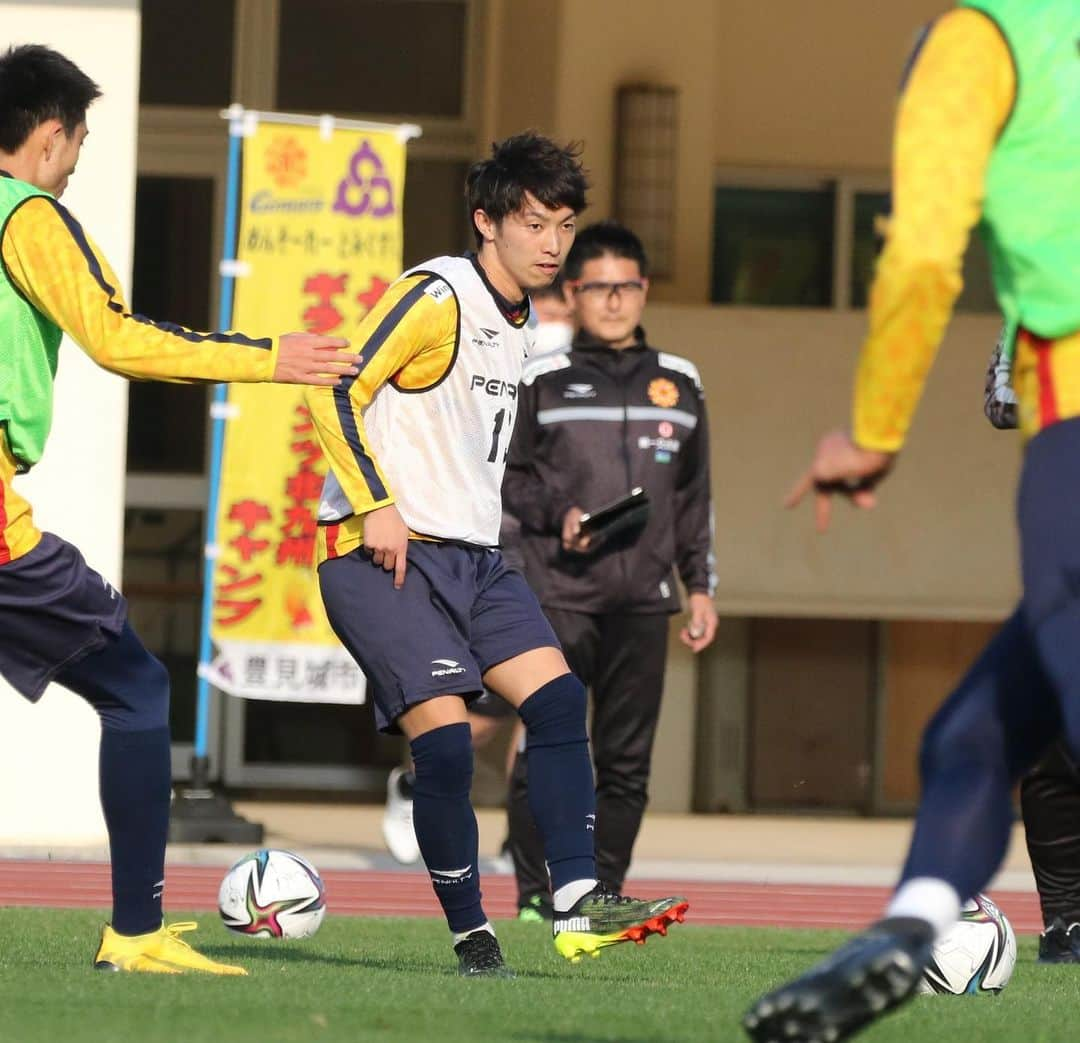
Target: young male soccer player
(410,573)
(989,122)
(60,620)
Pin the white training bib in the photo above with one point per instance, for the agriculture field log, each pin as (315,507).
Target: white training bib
(443,450)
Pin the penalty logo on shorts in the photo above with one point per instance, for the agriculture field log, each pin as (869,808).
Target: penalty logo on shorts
(445,668)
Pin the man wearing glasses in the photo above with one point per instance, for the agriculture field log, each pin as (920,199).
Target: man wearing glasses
(609,415)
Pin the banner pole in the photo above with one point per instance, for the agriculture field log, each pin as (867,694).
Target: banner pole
(200,815)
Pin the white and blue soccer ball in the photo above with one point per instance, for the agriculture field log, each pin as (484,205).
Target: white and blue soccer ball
(272,894)
(976,955)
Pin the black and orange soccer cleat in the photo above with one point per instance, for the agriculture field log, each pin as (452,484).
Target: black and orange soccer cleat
(602,918)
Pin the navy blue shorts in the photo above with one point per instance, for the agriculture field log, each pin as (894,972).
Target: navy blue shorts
(54,609)
(460,612)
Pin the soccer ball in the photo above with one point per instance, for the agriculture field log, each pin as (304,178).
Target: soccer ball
(977,955)
(272,894)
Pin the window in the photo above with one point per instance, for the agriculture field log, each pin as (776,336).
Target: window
(773,248)
(435,219)
(172,265)
(186,52)
(790,240)
(375,57)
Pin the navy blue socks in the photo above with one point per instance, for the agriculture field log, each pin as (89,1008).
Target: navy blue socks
(445,824)
(136,778)
(562,795)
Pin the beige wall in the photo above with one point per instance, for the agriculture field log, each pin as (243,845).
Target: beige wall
(48,752)
(940,544)
(810,85)
(778,84)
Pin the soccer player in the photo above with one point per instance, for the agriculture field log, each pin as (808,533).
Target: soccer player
(410,574)
(553,332)
(59,619)
(988,123)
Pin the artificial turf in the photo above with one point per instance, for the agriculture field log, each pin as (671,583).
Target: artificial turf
(396,981)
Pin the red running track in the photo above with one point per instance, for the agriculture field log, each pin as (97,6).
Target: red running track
(72,885)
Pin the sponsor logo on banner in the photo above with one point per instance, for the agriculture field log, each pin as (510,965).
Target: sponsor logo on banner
(366,189)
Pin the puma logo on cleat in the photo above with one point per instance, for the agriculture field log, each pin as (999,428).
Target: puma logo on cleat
(573,923)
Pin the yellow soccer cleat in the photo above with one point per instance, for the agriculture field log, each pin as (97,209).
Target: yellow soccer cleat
(159,952)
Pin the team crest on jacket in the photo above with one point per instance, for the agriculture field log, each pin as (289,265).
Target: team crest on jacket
(662,392)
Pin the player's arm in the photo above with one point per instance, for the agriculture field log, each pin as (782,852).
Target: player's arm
(957,101)
(409,335)
(63,274)
(694,534)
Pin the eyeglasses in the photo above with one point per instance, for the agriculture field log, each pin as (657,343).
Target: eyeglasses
(607,290)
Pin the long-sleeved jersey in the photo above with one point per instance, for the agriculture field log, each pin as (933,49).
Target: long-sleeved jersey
(56,279)
(960,99)
(426,423)
(594,423)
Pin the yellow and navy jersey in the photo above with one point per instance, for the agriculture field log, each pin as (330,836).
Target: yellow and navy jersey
(956,101)
(426,423)
(55,266)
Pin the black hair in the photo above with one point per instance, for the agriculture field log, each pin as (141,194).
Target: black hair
(525,163)
(39,84)
(604,237)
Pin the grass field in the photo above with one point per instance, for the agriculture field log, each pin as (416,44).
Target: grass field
(396,981)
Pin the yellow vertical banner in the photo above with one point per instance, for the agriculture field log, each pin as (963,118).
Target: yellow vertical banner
(319,240)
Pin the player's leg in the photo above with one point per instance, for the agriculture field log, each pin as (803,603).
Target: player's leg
(410,644)
(579,636)
(60,620)
(129,689)
(993,727)
(1050,800)
(1023,691)
(626,706)
(516,645)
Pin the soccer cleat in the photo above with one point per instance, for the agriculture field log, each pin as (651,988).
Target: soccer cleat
(159,952)
(1060,942)
(602,918)
(397,822)
(874,972)
(536,909)
(479,956)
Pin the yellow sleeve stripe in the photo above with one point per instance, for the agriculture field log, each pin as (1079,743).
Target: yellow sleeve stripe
(342,401)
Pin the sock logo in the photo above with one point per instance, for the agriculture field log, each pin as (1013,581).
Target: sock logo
(572,923)
(449,877)
(590,823)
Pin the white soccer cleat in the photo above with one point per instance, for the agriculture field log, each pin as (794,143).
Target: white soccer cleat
(397,822)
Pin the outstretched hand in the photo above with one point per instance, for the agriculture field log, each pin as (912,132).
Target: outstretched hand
(840,467)
(309,358)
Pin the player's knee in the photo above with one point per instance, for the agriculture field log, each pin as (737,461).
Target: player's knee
(443,761)
(556,712)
